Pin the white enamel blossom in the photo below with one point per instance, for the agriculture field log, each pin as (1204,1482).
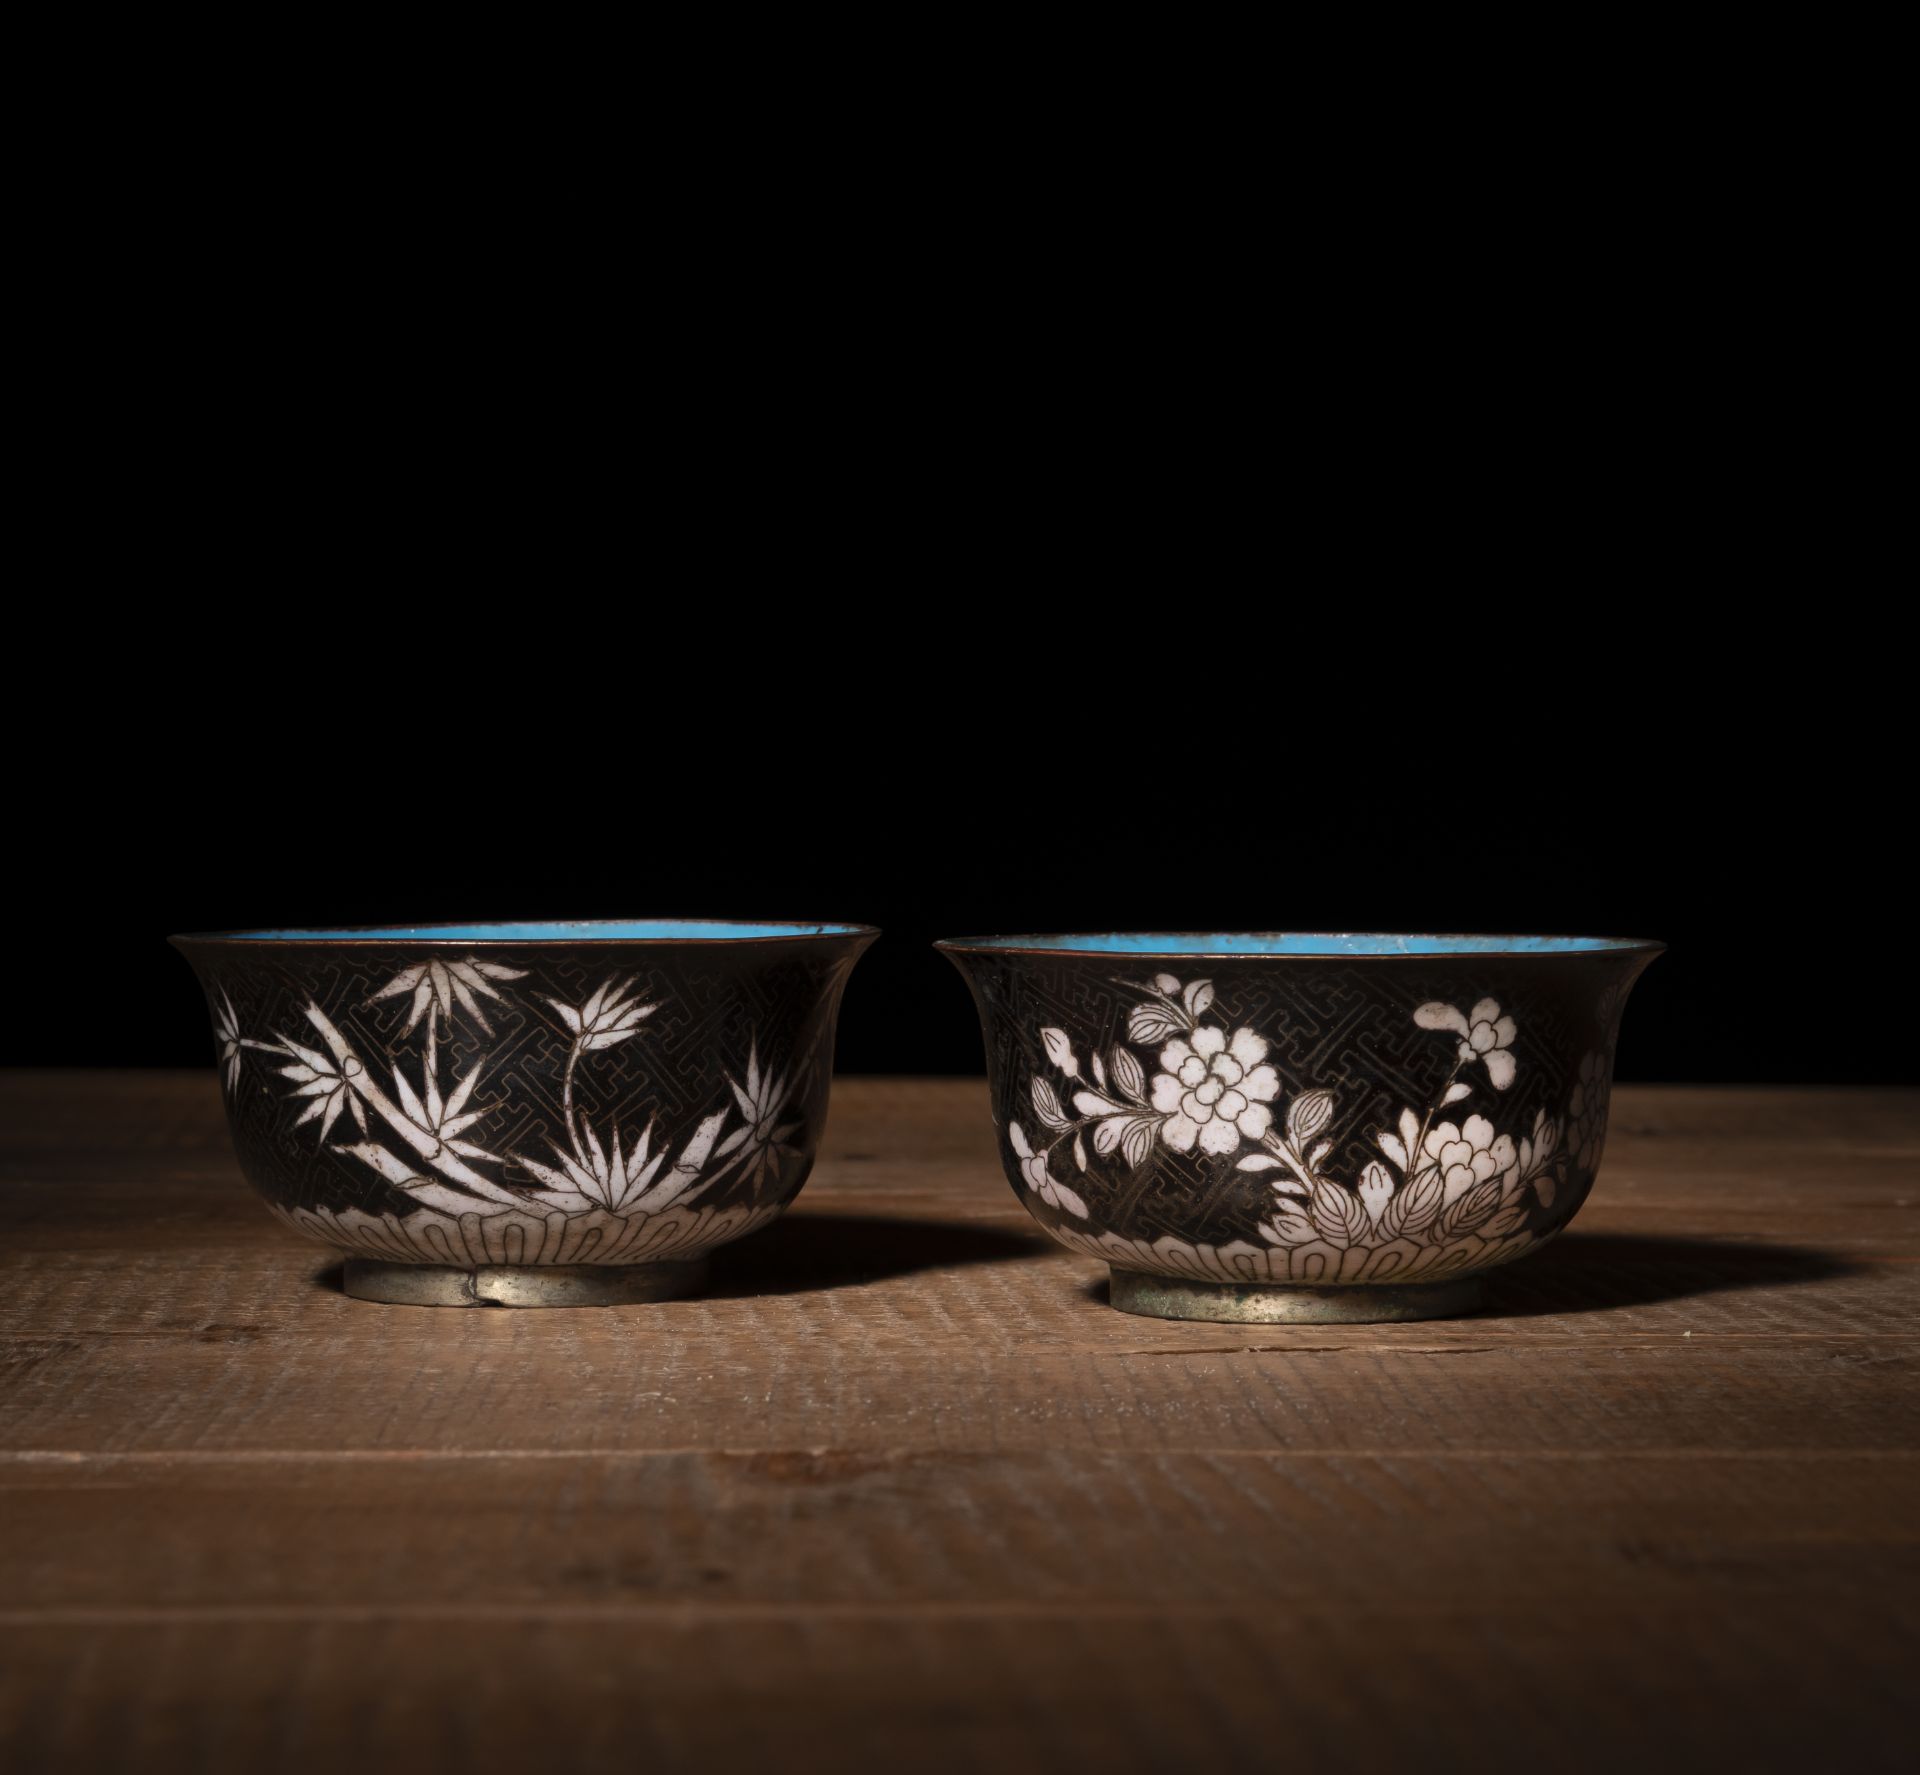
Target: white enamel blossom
(1484,1035)
(1033,1167)
(1468,1155)
(1214,1091)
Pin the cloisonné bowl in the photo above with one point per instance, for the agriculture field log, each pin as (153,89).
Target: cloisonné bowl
(1275,1126)
(527,1114)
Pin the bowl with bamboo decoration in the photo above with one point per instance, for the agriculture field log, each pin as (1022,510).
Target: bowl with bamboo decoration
(1273,1126)
(547,1114)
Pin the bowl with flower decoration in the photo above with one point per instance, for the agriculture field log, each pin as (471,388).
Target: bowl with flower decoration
(549,1114)
(1271,1126)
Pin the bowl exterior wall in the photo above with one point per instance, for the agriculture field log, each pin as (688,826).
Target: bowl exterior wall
(547,1103)
(1301,1120)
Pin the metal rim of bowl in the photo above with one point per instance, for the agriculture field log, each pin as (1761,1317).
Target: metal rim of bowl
(824,931)
(1050,943)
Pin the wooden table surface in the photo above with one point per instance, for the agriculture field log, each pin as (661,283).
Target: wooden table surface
(901,1490)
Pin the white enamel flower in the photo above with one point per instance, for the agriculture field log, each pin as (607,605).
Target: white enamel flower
(1214,1091)
(1033,1167)
(1468,1155)
(1484,1035)
(437,986)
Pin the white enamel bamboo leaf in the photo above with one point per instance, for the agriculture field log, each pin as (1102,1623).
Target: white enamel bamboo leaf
(694,1154)
(393,1169)
(423,1141)
(464,1090)
(416,1110)
(471,1004)
(569,1178)
(681,1180)
(306,1056)
(471,974)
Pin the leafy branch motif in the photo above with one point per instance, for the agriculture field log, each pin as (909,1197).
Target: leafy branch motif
(226,1032)
(438,985)
(765,1143)
(607,1019)
(1435,1180)
(422,1139)
(591,1175)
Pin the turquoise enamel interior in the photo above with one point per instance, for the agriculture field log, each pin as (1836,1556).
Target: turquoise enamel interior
(646,930)
(1300,943)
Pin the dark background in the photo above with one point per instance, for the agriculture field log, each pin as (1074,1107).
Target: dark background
(1557,598)
(1237,761)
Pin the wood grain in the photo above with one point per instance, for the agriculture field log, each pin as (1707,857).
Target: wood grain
(903,1488)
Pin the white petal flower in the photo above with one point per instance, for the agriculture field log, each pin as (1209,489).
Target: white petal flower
(1033,1169)
(1214,1091)
(1179,1132)
(1262,1084)
(1439,1016)
(1218,1136)
(1486,1036)
(1468,1156)
(1254,1121)
(1247,1048)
